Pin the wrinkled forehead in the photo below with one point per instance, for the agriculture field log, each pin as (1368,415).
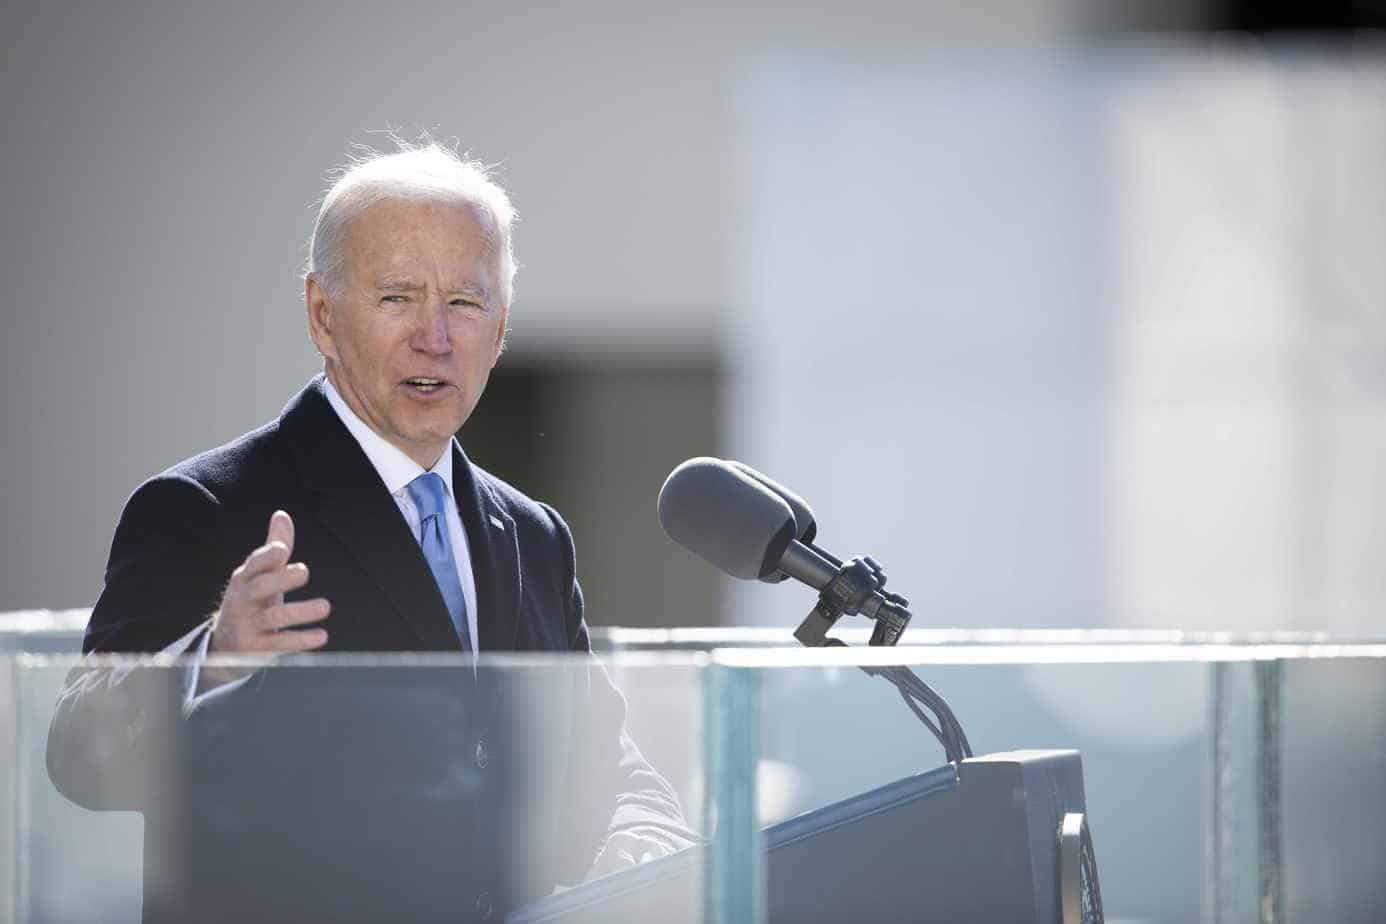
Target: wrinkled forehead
(395,234)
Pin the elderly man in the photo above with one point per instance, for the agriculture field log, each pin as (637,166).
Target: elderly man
(355,523)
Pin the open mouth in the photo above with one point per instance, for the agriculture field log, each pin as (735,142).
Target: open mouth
(424,385)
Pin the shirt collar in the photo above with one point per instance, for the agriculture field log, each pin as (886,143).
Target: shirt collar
(395,468)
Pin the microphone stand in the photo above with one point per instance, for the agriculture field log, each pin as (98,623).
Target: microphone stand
(858,587)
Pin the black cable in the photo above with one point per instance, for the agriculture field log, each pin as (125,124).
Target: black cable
(854,578)
(941,706)
(911,690)
(915,693)
(944,739)
(904,678)
(919,713)
(949,737)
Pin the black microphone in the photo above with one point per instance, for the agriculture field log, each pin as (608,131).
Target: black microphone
(805,527)
(726,517)
(723,513)
(753,528)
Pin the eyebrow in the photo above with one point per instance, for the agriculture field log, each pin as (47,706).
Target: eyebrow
(404,284)
(398,285)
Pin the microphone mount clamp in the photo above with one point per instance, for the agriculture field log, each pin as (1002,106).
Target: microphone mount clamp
(858,587)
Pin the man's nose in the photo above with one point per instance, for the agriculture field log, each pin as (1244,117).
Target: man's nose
(431,331)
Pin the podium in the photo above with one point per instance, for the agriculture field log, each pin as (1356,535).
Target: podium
(999,839)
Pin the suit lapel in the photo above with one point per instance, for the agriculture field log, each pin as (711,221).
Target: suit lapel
(495,556)
(351,501)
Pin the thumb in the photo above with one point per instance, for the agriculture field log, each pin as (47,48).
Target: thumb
(281,527)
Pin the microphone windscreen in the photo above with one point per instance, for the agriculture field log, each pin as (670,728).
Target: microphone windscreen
(726,517)
(804,524)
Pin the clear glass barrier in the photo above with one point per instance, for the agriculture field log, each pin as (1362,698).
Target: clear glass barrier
(1329,752)
(1220,783)
(351,788)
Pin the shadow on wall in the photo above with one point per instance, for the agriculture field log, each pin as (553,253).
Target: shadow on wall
(596,440)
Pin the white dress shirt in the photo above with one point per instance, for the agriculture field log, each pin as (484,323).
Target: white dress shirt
(397,470)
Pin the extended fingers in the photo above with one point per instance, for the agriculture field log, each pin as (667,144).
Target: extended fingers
(281,529)
(267,585)
(267,557)
(296,640)
(294,614)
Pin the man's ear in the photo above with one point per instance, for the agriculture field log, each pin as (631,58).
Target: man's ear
(319,315)
(501,331)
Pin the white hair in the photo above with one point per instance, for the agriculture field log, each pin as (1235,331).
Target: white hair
(427,171)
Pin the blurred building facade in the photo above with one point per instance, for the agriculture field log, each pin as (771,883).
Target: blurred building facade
(1075,336)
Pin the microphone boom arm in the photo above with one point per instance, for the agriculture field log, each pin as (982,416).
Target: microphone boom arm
(858,586)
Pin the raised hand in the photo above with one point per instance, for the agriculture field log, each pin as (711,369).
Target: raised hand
(253,617)
(623,850)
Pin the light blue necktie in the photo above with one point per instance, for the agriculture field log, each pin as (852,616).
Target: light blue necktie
(429,494)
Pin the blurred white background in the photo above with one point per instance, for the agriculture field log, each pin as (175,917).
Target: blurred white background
(1068,311)
(1067,323)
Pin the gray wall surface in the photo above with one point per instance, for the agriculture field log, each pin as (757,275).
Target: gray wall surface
(161,160)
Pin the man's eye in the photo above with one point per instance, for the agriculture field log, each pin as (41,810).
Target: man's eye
(394,299)
(467,305)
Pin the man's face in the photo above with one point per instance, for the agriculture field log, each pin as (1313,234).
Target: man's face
(411,339)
